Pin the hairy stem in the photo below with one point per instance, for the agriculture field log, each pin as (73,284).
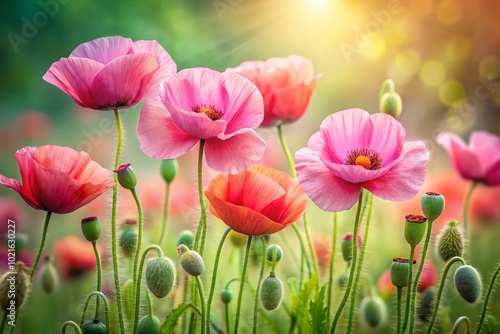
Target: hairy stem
(242,284)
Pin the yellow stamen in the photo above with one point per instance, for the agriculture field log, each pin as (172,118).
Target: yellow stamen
(363,161)
(210,111)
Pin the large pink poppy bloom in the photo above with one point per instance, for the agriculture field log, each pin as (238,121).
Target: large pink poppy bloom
(480,161)
(286,84)
(199,103)
(58,179)
(355,150)
(112,72)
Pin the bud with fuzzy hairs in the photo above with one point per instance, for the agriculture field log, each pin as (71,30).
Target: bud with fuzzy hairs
(128,240)
(271,292)
(450,242)
(468,283)
(373,311)
(149,325)
(346,246)
(20,280)
(191,261)
(160,276)
(270,252)
(49,276)
(426,305)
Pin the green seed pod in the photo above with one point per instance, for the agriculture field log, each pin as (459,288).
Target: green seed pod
(226,296)
(49,277)
(271,292)
(468,283)
(126,176)
(14,287)
(399,271)
(191,261)
(238,239)
(414,229)
(149,325)
(373,311)
(93,327)
(450,242)
(169,169)
(128,241)
(346,246)
(91,228)
(432,205)
(160,276)
(128,298)
(426,305)
(186,238)
(490,324)
(391,104)
(270,252)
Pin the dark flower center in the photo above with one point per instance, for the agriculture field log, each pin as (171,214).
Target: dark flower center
(211,112)
(368,158)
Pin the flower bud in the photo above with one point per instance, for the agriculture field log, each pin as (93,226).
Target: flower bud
(490,324)
(270,252)
(342,280)
(426,305)
(373,311)
(414,229)
(271,292)
(391,104)
(93,327)
(126,176)
(399,271)
(49,277)
(226,296)
(91,228)
(169,169)
(149,325)
(238,239)
(186,238)
(432,205)
(17,279)
(128,241)
(160,276)
(346,246)
(191,261)
(450,242)
(468,283)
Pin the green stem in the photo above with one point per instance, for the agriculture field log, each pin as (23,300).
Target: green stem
(214,276)
(116,272)
(226,305)
(42,243)
(457,324)
(139,235)
(99,276)
(302,247)
(386,84)
(409,288)
(203,306)
(398,305)
(332,262)
(201,231)
(466,211)
(273,262)
(150,305)
(70,323)
(486,299)
(165,213)
(98,295)
(440,291)
(360,264)
(261,275)
(139,280)
(354,259)
(242,284)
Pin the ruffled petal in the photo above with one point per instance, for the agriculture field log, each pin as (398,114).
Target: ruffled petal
(63,159)
(486,146)
(388,137)
(17,187)
(464,161)
(291,103)
(104,50)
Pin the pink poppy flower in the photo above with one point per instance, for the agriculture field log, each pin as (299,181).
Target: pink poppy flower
(112,72)
(198,103)
(286,84)
(355,150)
(480,161)
(58,179)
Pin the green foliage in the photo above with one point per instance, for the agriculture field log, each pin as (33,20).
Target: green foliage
(172,319)
(318,312)
(310,313)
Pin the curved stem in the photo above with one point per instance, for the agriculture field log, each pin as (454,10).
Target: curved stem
(199,241)
(409,288)
(275,254)
(332,262)
(261,275)
(457,324)
(398,306)
(165,213)
(116,272)
(353,267)
(386,84)
(139,280)
(70,323)
(139,235)
(466,211)
(203,306)
(150,305)
(360,264)
(42,243)
(302,247)
(105,301)
(99,276)
(214,275)
(440,291)
(486,299)
(242,284)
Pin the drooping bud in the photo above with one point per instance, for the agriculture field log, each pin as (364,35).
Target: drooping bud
(160,276)
(399,271)
(468,283)
(450,242)
(93,327)
(169,169)
(126,176)
(270,252)
(91,228)
(414,229)
(18,281)
(390,102)
(128,241)
(373,311)
(186,238)
(432,205)
(426,305)
(191,261)
(271,292)
(226,296)
(346,246)
(238,239)
(49,277)
(149,325)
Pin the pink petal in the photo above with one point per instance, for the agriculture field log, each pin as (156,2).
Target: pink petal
(159,137)
(104,50)
(17,187)
(492,177)
(405,178)
(62,158)
(291,103)
(486,146)
(235,154)
(327,191)
(388,137)
(464,161)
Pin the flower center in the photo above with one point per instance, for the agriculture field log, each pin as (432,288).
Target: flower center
(367,158)
(210,111)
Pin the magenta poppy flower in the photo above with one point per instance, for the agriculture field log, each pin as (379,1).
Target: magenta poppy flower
(355,150)
(480,161)
(286,84)
(112,72)
(198,103)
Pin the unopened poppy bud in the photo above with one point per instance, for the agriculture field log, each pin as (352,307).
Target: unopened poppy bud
(468,283)
(399,271)
(271,292)
(238,239)
(391,104)
(128,241)
(160,276)
(126,176)
(17,280)
(342,280)
(270,252)
(169,169)
(426,305)
(191,261)
(226,296)
(490,324)
(186,238)
(414,229)
(91,228)
(346,246)
(432,205)
(450,242)
(93,327)
(373,311)
(149,325)
(49,277)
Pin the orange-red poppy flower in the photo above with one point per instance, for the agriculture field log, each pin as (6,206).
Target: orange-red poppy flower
(75,256)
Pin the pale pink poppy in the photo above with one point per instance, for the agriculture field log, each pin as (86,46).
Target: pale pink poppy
(112,72)
(355,150)
(480,161)
(286,84)
(220,108)
(58,179)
